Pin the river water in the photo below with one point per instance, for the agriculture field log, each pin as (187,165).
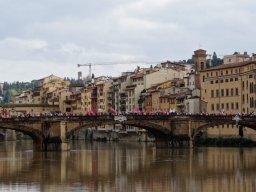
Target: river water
(126,167)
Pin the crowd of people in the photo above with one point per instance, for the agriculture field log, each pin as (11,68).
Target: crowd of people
(140,113)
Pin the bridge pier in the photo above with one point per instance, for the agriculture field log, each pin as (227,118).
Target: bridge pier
(65,144)
(55,138)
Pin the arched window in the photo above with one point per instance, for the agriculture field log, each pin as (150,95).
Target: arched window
(202,65)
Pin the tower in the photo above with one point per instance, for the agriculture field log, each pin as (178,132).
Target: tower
(200,59)
(80,76)
(200,64)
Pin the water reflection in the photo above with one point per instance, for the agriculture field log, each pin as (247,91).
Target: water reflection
(126,167)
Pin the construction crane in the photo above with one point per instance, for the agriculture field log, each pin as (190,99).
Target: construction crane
(90,68)
(115,63)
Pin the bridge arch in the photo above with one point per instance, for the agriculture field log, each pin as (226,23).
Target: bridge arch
(156,129)
(86,125)
(36,135)
(212,124)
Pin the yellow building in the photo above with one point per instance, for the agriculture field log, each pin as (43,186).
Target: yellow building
(164,97)
(86,100)
(64,100)
(50,88)
(103,87)
(230,88)
(164,104)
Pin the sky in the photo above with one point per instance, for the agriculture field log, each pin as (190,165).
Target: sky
(43,37)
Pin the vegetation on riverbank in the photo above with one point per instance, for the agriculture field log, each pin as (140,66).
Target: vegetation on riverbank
(225,142)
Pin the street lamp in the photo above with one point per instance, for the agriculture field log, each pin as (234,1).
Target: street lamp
(241,131)
(237,119)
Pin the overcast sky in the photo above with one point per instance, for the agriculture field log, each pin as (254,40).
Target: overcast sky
(43,37)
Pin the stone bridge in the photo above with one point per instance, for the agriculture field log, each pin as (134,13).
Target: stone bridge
(54,132)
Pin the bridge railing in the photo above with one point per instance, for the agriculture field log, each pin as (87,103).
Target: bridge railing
(148,117)
(59,118)
(212,117)
(111,117)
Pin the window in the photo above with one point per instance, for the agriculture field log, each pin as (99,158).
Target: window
(236,91)
(216,81)
(251,87)
(227,106)
(217,93)
(232,105)
(251,102)
(212,107)
(232,92)
(222,92)
(227,92)
(236,79)
(212,93)
(202,65)
(226,80)
(237,106)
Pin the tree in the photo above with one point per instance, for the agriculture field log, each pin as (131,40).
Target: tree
(215,60)
(7,97)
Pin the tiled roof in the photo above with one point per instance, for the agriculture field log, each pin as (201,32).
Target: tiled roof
(231,65)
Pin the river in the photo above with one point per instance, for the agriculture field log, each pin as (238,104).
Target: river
(126,167)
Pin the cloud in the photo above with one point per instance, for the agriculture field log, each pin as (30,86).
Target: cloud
(51,37)
(23,44)
(18,49)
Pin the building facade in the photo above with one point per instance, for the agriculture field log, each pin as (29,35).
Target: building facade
(230,88)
